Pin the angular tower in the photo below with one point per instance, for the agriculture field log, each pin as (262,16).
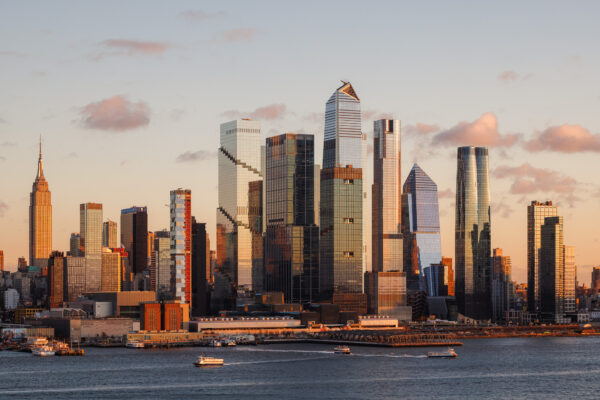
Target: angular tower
(40,219)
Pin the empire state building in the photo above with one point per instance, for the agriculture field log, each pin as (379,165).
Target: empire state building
(40,219)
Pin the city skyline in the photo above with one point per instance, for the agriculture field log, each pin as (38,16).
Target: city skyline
(74,164)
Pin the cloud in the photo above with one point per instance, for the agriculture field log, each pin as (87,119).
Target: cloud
(529,179)
(272,111)
(236,35)
(134,47)
(512,76)
(315,117)
(481,132)
(115,114)
(199,15)
(501,208)
(375,115)
(446,194)
(421,129)
(3,208)
(199,155)
(565,139)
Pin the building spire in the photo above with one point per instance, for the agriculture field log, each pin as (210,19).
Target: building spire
(40,173)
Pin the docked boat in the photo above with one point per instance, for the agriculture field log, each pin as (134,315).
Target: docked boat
(231,343)
(134,345)
(342,350)
(215,343)
(450,353)
(42,351)
(203,361)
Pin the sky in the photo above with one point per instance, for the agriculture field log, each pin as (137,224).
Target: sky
(129,96)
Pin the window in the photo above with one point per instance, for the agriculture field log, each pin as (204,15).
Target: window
(348,181)
(348,254)
(348,220)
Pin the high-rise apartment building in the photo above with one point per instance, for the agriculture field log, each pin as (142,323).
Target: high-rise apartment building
(386,197)
(90,230)
(134,237)
(201,276)
(111,271)
(292,238)
(536,214)
(552,264)
(472,239)
(56,279)
(239,165)
(570,280)
(40,219)
(109,234)
(255,218)
(421,229)
(501,285)
(181,243)
(74,278)
(161,269)
(75,249)
(341,202)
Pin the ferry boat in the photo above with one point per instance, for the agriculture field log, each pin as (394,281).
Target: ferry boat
(342,350)
(450,353)
(134,345)
(42,351)
(203,361)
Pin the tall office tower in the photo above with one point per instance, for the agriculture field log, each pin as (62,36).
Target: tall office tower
(126,274)
(472,233)
(341,219)
(421,228)
(56,279)
(74,281)
(536,213)
(201,277)
(109,234)
(239,164)
(161,265)
(595,280)
(90,229)
(317,193)
(292,238)
(570,278)
(1,261)
(40,219)
(255,218)
(501,285)
(150,248)
(181,243)
(134,236)
(75,249)
(111,271)
(442,276)
(551,267)
(386,204)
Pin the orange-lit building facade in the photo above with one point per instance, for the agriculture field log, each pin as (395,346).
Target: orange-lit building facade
(56,279)
(150,316)
(40,219)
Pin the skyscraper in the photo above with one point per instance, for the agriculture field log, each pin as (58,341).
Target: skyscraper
(111,271)
(40,219)
(75,249)
(56,279)
(161,265)
(90,230)
(239,164)
(570,278)
(109,234)
(292,238)
(472,233)
(551,264)
(341,224)
(536,213)
(134,237)
(421,228)
(501,285)
(595,280)
(201,276)
(181,243)
(386,207)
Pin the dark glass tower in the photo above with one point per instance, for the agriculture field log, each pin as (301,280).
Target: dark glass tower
(200,269)
(472,233)
(134,236)
(292,238)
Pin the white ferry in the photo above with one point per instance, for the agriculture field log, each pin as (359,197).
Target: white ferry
(134,345)
(42,351)
(208,362)
(450,353)
(342,350)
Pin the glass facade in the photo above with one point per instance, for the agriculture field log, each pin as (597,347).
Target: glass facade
(90,230)
(111,271)
(551,257)
(292,238)
(109,234)
(387,248)
(421,228)
(161,263)
(536,213)
(134,237)
(74,277)
(472,233)
(569,298)
(239,164)
(40,219)
(201,276)
(501,285)
(181,243)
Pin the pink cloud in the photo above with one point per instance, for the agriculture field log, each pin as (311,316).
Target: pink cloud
(528,179)
(133,47)
(565,139)
(481,132)
(446,194)
(115,114)
(501,208)
(272,111)
(421,129)
(236,35)
(199,15)
(512,76)
(375,115)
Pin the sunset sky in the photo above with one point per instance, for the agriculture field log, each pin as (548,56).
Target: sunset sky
(129,97)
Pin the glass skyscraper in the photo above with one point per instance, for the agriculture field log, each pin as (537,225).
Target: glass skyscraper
(109,234)
(161,264)
(40,219)
(181,243)
(90,229)
(239,165)
(292,238)
(386,197)
(134,237)
(472,233)
(341,219)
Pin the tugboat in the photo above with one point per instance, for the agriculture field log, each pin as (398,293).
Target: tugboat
(42,351)
(450,353)
(342,350)
(208,362)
